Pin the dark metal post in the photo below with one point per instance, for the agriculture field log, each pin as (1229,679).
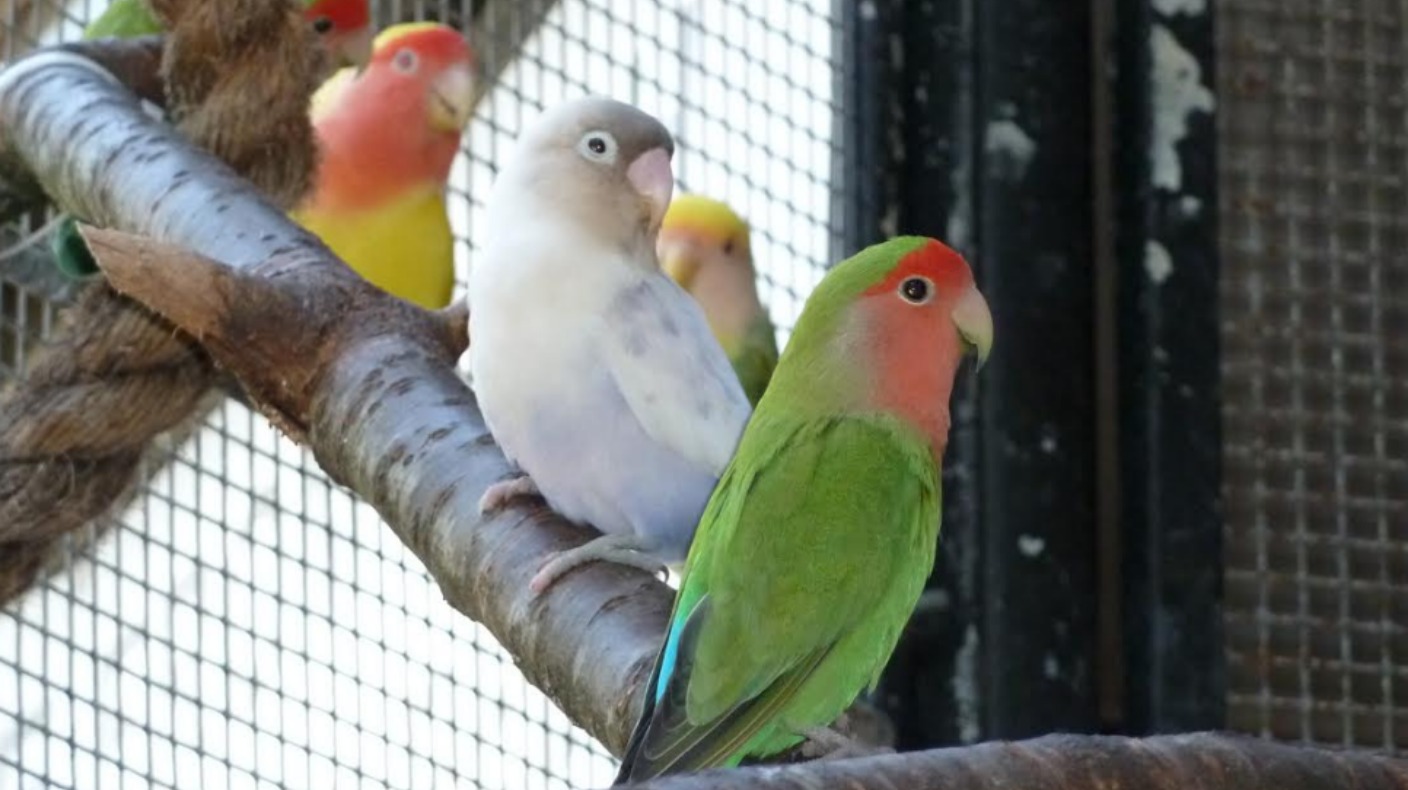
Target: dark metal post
(1166,267)
(980,114)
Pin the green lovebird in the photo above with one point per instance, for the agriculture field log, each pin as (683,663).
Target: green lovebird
(814,547)
(344,29)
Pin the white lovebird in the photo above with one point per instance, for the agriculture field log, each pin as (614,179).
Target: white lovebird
(597,375)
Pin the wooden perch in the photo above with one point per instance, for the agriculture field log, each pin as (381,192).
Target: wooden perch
(1202,761)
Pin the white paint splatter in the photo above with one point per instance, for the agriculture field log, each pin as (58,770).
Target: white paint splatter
(1190,205)
(1158,264)
(956,229)
(965,686)
(1176,7)
(1050,668)
(868,11)
(1009,150)
(1031,545)
(1178,92)
(936,598)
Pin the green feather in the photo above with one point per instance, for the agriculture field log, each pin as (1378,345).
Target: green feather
(123,19)
(756,357)
(128,19)
(71,252)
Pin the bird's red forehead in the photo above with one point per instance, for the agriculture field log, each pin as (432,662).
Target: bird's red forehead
(933,259)
(435,43)
(345,14)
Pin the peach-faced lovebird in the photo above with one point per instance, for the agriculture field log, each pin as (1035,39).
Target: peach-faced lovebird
(815,546)
(344,27)
(704,245)
(387,138)
(596,374)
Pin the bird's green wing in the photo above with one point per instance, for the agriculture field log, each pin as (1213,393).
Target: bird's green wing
(817,528)
(71,253)
(123,19)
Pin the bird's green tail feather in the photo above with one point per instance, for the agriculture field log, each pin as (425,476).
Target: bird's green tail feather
(71,252)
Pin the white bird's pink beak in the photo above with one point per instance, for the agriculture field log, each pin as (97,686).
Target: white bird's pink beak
(653,178)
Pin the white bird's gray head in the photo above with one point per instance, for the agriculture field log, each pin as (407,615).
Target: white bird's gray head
(600,162)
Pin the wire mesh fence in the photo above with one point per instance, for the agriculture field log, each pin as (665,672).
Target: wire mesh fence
(244,621)
(1314,179)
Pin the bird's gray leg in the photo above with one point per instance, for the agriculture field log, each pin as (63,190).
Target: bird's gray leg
(501,492)
(825,743)
(620,549)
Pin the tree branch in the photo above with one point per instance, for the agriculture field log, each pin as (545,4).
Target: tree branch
(1201,761)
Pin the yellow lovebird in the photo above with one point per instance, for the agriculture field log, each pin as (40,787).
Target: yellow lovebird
(387,138)
(705,247)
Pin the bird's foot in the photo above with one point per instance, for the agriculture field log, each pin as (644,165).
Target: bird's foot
(501,492)
(620,549)
(824,743)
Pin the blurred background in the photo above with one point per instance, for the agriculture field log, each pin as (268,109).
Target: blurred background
(1176,499)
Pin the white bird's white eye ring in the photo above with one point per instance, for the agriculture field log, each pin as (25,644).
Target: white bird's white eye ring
(598,146)
(406,61)
(916,290)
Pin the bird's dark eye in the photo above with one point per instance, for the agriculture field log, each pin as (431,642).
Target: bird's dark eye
(597,145)
(322,24)
(728,247)
(916,290)
(405,61)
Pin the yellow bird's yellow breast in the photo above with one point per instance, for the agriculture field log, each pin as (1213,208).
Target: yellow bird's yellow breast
(404,247)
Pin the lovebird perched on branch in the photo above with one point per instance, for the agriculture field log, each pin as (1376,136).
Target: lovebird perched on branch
(387,138)
(705,246)
(596,374)
(344,28)
(815,546)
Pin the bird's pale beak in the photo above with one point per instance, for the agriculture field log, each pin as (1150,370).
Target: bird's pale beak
(679,260)
(452,99)
(974,322)
(653,178)
(355,49)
